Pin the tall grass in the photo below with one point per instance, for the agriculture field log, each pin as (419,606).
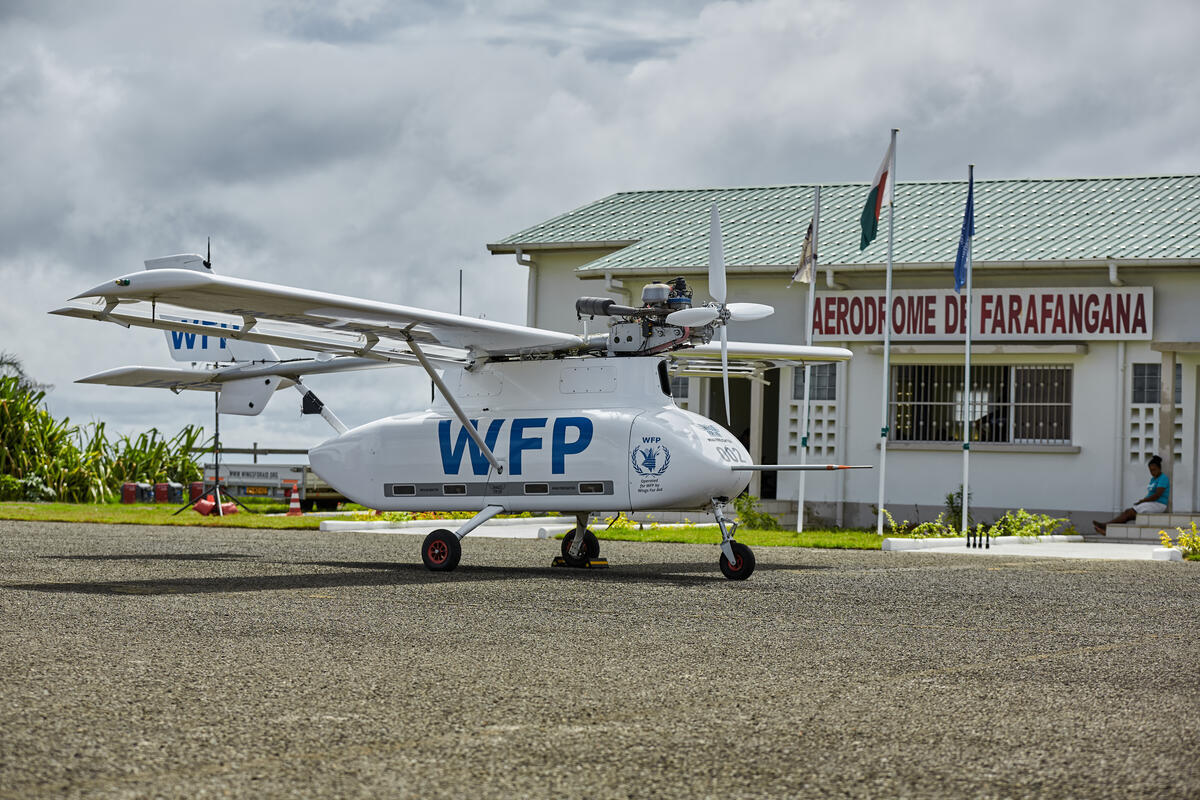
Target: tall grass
(81,464)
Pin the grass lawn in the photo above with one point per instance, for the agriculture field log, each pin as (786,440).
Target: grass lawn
(146,514)
(164,514)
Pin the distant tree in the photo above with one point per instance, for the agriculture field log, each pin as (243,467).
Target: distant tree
(11,367)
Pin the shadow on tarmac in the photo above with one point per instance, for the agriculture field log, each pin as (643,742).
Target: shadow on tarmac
(377,573)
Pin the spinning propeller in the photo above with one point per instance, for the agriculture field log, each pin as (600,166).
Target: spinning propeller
(720,312)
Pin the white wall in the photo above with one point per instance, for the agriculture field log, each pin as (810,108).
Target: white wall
(1081,482)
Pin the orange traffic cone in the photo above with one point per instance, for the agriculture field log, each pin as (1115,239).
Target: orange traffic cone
(294,506)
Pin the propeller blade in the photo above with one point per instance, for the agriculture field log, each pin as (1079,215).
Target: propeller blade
(716,258)
(725,370)
(692,317)
(748,312)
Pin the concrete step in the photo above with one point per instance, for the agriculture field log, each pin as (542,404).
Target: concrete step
(1177,519)
(1133,532)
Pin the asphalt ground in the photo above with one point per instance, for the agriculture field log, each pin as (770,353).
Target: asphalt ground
(189,662)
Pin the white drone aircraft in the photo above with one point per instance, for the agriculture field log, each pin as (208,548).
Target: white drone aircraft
(528,419)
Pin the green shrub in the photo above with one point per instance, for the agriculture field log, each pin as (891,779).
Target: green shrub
(1022,523)
(10,488)
(751,516)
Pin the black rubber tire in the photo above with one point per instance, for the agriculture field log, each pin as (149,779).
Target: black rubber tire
(743,567)
(591,549)
(441,551)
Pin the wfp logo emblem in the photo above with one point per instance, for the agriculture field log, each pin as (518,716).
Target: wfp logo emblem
(651,459)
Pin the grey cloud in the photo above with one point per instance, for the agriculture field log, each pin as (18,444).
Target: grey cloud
(374,148)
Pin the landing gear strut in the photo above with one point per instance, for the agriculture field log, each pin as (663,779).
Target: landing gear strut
(737,560)
(587,548)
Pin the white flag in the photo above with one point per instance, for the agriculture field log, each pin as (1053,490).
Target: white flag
(808,253)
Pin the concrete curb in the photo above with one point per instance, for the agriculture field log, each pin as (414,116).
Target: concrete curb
(1166,554)
(960,541)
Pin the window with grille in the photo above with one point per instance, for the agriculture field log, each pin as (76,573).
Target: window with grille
(1019,404)
(824,382)
(1147,383)
(679,388)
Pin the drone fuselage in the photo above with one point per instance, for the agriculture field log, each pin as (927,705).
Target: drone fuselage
(572,435)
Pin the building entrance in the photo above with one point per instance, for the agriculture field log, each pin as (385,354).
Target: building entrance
(754,420)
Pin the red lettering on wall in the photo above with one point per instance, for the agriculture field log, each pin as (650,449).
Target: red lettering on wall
(1123,313)
(999,325)
(830,316)
(1076,313)
(1014,314)
(1091,314)
(951,314)
(1060,318)
(930,314)
(842,305)
(912,314)
(856,315)
(898,316)
(1047,307)
(817,327)
(1139,315)
(1031,317)
(1106,317)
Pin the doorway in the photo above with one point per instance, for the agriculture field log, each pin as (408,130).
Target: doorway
(741,423)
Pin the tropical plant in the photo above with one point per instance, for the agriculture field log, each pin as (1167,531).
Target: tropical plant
(750,515)
(1188,542)
(954,507)
(51,458)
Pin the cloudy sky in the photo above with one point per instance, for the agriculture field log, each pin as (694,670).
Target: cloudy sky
(374,148)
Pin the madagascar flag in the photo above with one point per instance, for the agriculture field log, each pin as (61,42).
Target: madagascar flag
(880,196)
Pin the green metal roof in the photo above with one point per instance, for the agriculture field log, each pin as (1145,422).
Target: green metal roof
(1076,219)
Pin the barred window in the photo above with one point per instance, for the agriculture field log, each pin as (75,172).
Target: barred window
(679,388)
(1007,403)
(824,382)
(1147,383)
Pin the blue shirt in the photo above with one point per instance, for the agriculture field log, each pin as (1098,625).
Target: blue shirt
(1163,481)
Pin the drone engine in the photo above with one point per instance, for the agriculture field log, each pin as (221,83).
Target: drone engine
(645,330)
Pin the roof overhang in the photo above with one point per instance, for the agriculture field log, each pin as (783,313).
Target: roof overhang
(501,248)
(589,271)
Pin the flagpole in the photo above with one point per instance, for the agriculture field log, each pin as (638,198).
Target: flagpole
(966,481)
(812,300)
(886,316)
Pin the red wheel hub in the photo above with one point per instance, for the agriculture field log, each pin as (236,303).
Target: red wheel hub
(438,552)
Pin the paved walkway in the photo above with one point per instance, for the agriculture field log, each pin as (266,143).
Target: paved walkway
(1057,547)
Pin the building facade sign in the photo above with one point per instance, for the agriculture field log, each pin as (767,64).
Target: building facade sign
(1070,314)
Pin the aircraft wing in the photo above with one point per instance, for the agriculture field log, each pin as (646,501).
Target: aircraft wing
(157,378)
(750,358)
(325,312)
(211,379)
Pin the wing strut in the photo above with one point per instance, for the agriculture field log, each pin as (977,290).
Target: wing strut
(311,404)
(458,412)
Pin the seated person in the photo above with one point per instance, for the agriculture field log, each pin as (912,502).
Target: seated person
(1155,501)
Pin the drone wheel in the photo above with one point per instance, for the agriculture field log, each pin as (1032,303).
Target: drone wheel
(591,549)
(441,551)
(743,565)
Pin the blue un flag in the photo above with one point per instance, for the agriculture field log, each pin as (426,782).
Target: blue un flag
(964,239)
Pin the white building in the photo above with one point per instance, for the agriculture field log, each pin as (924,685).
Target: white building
(1087,333)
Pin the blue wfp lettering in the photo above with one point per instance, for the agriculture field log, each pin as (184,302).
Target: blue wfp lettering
(452,452)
